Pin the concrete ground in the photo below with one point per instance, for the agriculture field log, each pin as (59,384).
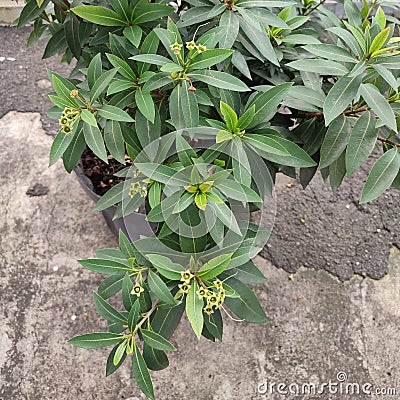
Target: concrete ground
(326,320)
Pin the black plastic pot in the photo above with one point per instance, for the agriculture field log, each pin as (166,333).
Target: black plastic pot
(133,225)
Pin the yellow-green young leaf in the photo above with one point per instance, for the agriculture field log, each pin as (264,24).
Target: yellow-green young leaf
(194,309)
(201,201)
(156,341)
(119,353)
(214,267)
(99,15)
(379,104)
(247,118)
(229,115)
(379,41)
(141,373)
(222,136)
(380,17)
(382,175)
(110,367)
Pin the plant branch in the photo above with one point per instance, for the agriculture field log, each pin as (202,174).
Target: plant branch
(383,140)
(310,10)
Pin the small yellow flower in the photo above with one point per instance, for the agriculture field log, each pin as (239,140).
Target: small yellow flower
(137,289)
(202,293)
(176,47)
(213,299)
(63,121)
(67,129)
(208,310)
(201,48)
(218,284)
(186,276)
(184,287)
(74,93)
(219,304)
(191,45)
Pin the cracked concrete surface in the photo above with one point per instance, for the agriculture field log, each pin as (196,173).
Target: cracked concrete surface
(319,326)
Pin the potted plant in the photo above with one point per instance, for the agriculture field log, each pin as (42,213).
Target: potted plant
(190,112)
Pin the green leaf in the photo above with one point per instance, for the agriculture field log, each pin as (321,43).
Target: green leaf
(194,310)
(229,29)
(226,216)
(94,70)
(214,267)
(151,12)
(107,267)
(119,353)
(190,107)
(156,341)
(113,196)
(337,171)
(111,368)
(201,201)
(247,306)
(379,105)
(155,59)
(59,146)
(220,79)
(134,315)
(146,131)
(340,96)
(114,140)
(30,12)
(128,299)
(235,190)
(230,117)
(382,175)
(361,142)
(156,360)
(160,289)
(99,15)
(165,266)
(96,340)
(94,139)
(145,103)
(74,150)
(88,117)
(321,67)
(107,311)
(279,150)
(249,273)
(114,113)
(101,83)
(123,67)
(266,103)
(63,91)
(331,52)
(223,136)
(133,34)
(380,17)
(247,118)
(208,58)
(195,15)
(335,141)
(141,373)
(380,40)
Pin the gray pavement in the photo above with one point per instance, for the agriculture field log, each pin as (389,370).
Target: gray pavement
(319,325)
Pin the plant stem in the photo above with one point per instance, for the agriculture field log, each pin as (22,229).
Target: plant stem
(145,318)
(310,10)
(383,140)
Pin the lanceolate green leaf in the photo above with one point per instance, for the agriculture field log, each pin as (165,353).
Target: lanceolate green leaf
(96,340)
(107,311)
(229,27)
(156,341)
(340,96)
(266,103)
(94,139)
(107,267)
(141,373)
(194,310)
(361,142)
(59,146)
(277,149)
(382,175)
(99,15)
(160,289)
(335,140)
(220,80)
(379,104)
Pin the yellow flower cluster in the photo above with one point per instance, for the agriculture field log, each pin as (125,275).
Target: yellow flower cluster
(67,120)
(138,188)
(214,295)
